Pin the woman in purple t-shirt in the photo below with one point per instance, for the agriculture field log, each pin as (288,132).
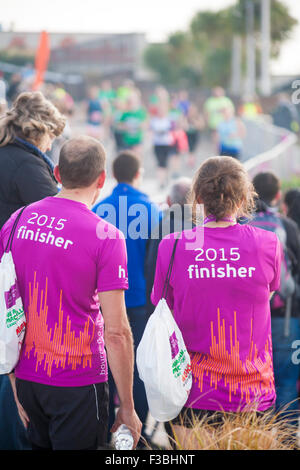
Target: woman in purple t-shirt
(221,282)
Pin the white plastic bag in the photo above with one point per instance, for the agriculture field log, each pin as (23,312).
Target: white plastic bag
(164,365)
(12,317)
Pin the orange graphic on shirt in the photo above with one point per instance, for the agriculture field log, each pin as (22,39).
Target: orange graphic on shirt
(254,375)
(55,346)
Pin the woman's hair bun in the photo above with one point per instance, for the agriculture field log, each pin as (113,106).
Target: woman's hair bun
(223,186)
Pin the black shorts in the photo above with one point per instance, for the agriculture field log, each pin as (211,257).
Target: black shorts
(65,418)
(118,135)
(162,153)
(193,139)
(226,152)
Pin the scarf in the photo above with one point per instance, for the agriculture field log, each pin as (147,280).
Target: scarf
(35,149)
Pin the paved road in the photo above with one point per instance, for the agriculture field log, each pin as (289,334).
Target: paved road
(150,183)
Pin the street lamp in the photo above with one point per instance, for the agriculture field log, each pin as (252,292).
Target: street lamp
(265,81)
(250,51)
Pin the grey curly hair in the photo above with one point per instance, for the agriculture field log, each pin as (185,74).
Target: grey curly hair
(31,117)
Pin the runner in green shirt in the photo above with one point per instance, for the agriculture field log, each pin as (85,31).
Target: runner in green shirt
(133,121)
(213,107)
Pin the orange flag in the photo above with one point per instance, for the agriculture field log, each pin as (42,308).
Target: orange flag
(41,59)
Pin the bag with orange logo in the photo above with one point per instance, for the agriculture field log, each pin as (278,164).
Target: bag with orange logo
(163,361)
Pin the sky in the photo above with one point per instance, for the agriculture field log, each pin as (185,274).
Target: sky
(156,18)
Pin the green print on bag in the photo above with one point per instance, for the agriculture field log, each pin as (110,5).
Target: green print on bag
(177,364)
(13,316)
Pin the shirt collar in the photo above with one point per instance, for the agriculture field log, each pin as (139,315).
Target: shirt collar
(125,188)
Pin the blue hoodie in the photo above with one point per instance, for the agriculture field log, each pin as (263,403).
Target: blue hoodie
(123,198)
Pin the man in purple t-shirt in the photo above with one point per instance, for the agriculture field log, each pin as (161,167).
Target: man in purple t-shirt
(69,263)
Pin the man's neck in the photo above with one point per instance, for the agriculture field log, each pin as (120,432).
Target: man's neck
(273,206)
(85,197)
(134,184)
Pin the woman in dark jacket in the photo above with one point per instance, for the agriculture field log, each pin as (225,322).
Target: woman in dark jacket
(26,176)
(26,133)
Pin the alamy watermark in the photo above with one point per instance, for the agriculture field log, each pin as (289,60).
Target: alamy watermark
(296,94)
(138,221)
(296,353)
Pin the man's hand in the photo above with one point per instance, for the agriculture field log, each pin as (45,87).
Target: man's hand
(119,347)
(128,417)
(22,413)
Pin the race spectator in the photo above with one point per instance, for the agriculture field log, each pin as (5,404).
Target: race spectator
(285,114)
(26,176)
(176,217)
(219,295)
(292,205)
(121,208)
(285,317)
(26,133)
(68,263)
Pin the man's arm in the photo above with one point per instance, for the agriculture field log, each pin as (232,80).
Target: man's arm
(119,346)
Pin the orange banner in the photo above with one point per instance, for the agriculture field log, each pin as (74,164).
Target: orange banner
(41,60)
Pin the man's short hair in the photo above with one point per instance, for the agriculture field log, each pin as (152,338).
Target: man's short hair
(81,161)
(267,186)
(125,167)
(180,191)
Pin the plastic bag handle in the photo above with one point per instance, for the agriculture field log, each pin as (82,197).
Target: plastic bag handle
(12,233)
(168,277)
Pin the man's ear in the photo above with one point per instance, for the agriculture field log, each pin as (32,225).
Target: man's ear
(57,174)
(101,179)
(278,196)
(137,175)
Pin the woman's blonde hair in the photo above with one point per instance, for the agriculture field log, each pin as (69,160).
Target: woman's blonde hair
(31,117)
(223,186)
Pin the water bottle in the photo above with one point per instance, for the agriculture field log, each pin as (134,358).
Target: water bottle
(123,439)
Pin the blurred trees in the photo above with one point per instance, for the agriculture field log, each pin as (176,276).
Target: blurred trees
(202,54)
(16,57)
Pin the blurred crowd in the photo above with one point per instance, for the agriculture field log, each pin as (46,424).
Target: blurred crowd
(169,124)
(35,127)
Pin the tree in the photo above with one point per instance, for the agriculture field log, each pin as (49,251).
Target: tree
(175,62)
(202,54)
(157,58)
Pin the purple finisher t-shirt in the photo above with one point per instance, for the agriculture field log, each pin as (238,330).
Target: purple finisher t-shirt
(219,293)
(63,259)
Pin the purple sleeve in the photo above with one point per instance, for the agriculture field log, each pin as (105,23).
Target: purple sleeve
(112,264)
(275,283)
(162,264)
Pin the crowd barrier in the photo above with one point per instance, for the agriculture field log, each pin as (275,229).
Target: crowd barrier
(271,148)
